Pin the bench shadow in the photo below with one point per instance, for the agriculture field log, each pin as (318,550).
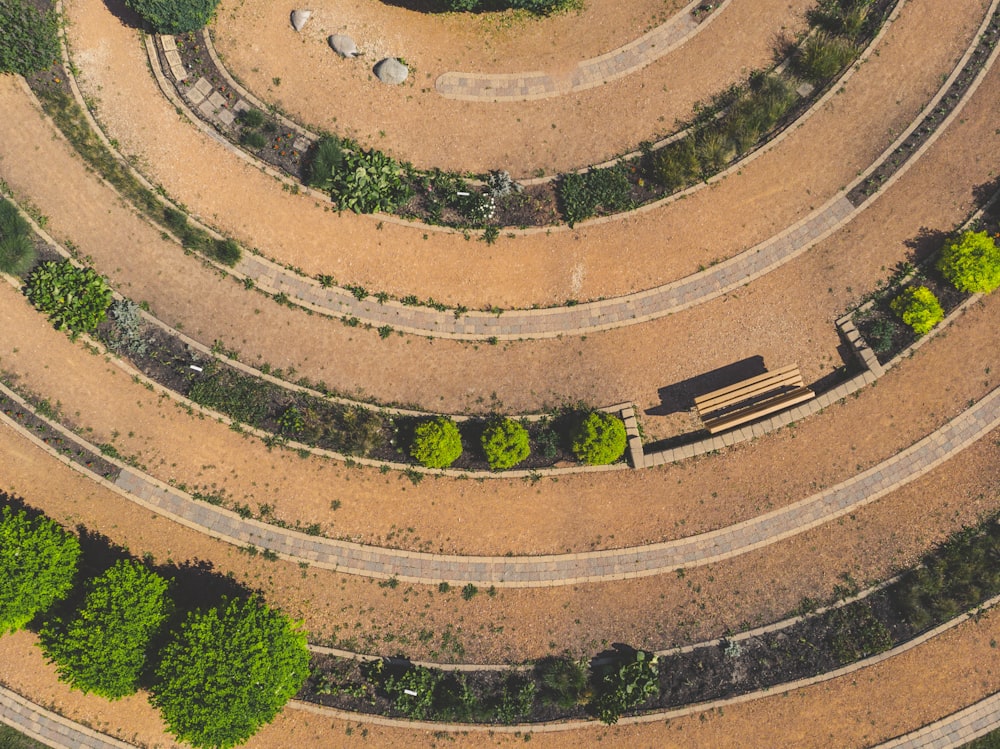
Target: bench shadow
(680,396)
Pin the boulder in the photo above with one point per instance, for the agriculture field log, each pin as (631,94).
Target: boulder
(343,45)
(392,71)
(299,18)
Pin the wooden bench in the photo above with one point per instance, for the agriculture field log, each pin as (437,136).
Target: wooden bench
(752,399)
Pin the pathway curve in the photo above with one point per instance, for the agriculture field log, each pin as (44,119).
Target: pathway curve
(51,728)
(616,312)
(618,63)
(556,569)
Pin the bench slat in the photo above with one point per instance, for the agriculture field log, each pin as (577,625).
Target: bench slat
(792,380)
(791,369)
(764,408)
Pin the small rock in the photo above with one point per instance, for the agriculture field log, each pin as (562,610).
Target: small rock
(343,45)
(299,18)
(392,71)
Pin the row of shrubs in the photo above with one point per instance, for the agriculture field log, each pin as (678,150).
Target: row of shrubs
(969,262)
(217,673)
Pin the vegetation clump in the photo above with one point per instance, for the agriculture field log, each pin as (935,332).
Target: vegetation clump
(971,262)
(919,308)
(537,7)
(505,443)
(228,671)
(17,251)
(105,645)
(599,439)
(363,181)
(436,442)
(174,16)
(580,195)
(625,687)
(37,563)
(75,299)
(29,39)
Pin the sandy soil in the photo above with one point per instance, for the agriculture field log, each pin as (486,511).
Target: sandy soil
(650,248)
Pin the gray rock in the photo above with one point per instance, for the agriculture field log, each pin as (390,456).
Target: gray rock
(299,18)
(343,45)
(392,71)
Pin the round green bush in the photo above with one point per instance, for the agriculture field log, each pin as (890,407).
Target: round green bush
(174,16)
(103,647)
(505,443)
(599,439)
(436,442)
(37,564)
(918,308)
(971,262)
(228,671)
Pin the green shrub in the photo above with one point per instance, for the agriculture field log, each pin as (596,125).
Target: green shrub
(37,564)
(842,17)
(971,262)
(436,442)
(29,39)
(625,688)
(358,180)
(253,139)
(17,251)
(227,251)
(822,56)
(251,118)
(563,681)
(75,299)
(228,671)
(537,7)
(599,439)
(422,681)
(676,165)
(919,308)
(505,443)
(326,159)
(580,195)
(855,633)
(174,16)
(244,399)
(103,647)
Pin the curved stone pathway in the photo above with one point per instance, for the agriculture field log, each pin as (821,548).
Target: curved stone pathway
(618,63)
(954,731)
(51,728)
(555,569)
(607,314)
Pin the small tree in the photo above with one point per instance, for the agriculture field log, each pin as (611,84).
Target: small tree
(228,671)
(626,687)
(29,39)
(505,443)
(599,439)
(971,262)
(37,563)
(436,442)
(174,16)
(104,646)
(75,299)
(918,308)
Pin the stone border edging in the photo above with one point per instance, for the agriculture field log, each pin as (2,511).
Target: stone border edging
(652,716)
(51,728)
(621,311)
(587,74)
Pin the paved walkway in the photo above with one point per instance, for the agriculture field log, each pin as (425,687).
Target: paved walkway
(608,314)
(955,730)
(51,728)
(628,59)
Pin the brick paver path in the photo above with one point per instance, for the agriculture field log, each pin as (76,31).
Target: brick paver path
(597,71)
(568,569)
(955,730)
(51,728)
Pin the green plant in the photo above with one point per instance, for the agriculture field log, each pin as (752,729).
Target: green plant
(251,118)
(505,443)
(822,56)
(580,195)
(325,160)
(515,700)
(469,592)
(436,442)
(174,16)
(675,165)
(29,39)
(856,633)
(599,439)
(75,299)
(413,691)
(971,262)
(17,251)
(37,563)
(881,335)
(919,308)
(358,180)
(537,7)
(253,139)
(625,687)
(563,681)
(228,671)
(226,251)
(104,646)
(126,333)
